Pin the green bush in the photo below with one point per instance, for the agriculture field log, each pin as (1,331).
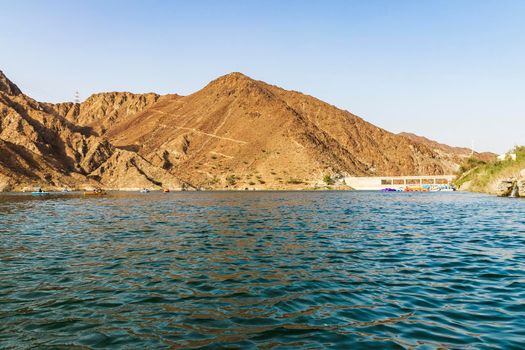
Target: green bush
(470,164)
(328,179)
(481,174)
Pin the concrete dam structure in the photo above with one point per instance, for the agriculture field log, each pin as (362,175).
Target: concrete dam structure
(378,183)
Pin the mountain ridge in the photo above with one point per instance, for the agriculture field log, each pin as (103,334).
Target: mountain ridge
(234,133)
(7,86)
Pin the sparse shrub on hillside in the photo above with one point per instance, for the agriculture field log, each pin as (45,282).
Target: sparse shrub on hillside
(294,181)
(470,164)
(328,179)
(214,181)
(232,180)
(251,183)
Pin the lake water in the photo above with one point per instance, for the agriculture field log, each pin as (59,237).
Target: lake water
(285,270)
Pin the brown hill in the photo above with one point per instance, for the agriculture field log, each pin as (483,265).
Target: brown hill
(234,133)
(101,111)
(456,154)
(40,147)
(255,132)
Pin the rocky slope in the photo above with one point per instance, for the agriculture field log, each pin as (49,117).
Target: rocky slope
(454,154)
(238,132)
(495,176)
(39,146)
(234,133)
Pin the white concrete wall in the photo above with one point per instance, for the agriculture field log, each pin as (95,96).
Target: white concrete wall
(374,182)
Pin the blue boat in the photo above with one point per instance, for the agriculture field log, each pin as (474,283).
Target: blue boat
(39,193)
(388,189)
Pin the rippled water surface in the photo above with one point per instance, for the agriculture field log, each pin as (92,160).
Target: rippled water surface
(285,270)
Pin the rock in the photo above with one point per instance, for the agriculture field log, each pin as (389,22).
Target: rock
(521,187)
(128,170)
(98,152)
(102,111)
(522,173)
(7,86)
(505,188)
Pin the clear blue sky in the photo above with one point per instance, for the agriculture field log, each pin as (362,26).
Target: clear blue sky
(451,70)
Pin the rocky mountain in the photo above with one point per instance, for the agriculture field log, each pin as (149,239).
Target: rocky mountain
(234,133)
(41,146)
(455,154)
(259,134)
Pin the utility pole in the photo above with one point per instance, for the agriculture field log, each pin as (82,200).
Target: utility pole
(77,97)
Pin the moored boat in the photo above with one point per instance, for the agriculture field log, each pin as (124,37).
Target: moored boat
(39,193)
(95,192)
(416,189)
(388,189)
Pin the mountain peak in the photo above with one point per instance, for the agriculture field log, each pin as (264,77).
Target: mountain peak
(7,86)
(234,76)
(234,82)
(233,79)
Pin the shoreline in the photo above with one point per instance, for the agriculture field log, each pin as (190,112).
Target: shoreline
(190,191)
(137,191)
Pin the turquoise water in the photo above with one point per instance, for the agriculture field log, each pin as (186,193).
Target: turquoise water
(286,270)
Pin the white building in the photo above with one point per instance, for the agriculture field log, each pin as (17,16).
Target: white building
(505,156)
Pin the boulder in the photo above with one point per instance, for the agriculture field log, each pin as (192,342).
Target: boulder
(521,187)
(505,188)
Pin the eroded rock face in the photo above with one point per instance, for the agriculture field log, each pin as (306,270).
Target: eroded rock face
(127,170)
(98,152)
(505,188)
(102,111)
(521,187)
(7,87)
(41,147)
(514,187)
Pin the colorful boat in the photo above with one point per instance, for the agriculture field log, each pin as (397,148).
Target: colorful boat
(388,189)
(416,189)
(95,192)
